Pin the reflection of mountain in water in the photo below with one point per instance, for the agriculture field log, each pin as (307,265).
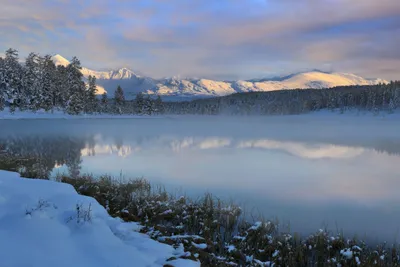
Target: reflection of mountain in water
(37,156)
(121,151)
(172,144)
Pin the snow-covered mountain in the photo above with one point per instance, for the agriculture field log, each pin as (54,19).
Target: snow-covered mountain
(60,60)
(133,83)
(204,87)
(122,73)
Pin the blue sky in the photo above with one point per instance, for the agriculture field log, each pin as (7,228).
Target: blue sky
(222,39)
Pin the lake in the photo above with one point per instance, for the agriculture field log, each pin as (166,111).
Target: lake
(309,171)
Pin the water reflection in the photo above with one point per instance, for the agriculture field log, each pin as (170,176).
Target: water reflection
(307,181)
(317,170)
(38,156)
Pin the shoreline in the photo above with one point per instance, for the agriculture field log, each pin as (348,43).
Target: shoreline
(59,114)
(214,232)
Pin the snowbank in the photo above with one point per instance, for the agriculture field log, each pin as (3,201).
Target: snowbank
(45,223)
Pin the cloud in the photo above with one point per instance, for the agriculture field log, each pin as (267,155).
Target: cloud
(205,38)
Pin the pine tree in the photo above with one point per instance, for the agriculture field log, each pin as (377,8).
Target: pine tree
(77,88)
(31,81)
(159,106)
(91,100)
(119,99)
(47,82)
(104,102)
(139,103)
(61,84)
(13,79)
(148,106)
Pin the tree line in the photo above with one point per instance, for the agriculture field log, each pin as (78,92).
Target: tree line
(39,84)
(374,98)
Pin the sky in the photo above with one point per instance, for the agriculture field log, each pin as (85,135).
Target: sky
(218,39)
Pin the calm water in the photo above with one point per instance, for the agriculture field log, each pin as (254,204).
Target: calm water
(312,171)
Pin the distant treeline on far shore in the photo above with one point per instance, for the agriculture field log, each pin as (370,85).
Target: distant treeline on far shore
(38,84)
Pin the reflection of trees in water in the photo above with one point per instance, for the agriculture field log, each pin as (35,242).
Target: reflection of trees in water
(388,147)
(37,156)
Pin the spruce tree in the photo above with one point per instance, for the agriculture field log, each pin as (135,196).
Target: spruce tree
(13,79)
(91,100)
(104,102)
(31,81)
(119,99)
(61,81)
(47,82)
(139,103)
(148,107)
(77,88)
(159,105)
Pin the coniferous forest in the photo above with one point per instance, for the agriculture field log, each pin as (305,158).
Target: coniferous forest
(373,98)
(38,84)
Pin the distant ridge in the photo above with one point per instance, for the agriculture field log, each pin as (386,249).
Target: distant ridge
(133,83)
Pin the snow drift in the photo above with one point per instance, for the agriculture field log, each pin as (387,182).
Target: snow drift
(45,223)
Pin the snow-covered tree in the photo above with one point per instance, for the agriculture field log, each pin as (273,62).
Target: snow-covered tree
(104,103)
(91,100)
(47,83)
(61,81)
(148,106)
(77,88)
(119,99)
(159,105)
(13,79)
(139,103)
(31,81)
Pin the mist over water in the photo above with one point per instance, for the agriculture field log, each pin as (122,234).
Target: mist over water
(312,172)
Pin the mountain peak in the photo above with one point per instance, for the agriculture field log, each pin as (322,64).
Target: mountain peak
(133,83)
(122,73)
(60,60)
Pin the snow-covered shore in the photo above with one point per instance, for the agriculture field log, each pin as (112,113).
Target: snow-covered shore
(45,223)
(41,114)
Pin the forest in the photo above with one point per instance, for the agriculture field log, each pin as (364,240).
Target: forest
(374,98)
(38,84)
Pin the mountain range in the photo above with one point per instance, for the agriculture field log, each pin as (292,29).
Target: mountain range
(133,83)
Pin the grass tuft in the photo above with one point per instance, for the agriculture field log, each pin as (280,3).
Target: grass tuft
(216,233)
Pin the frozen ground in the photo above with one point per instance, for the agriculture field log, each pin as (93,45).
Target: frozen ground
(46,224)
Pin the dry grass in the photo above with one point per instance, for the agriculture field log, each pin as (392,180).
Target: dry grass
(216,233)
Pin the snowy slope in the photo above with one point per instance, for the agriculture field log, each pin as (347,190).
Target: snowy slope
(305,80)
(205,87)
(122,73)
(39,227)
(60,60)
(323,80)
(133,83)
